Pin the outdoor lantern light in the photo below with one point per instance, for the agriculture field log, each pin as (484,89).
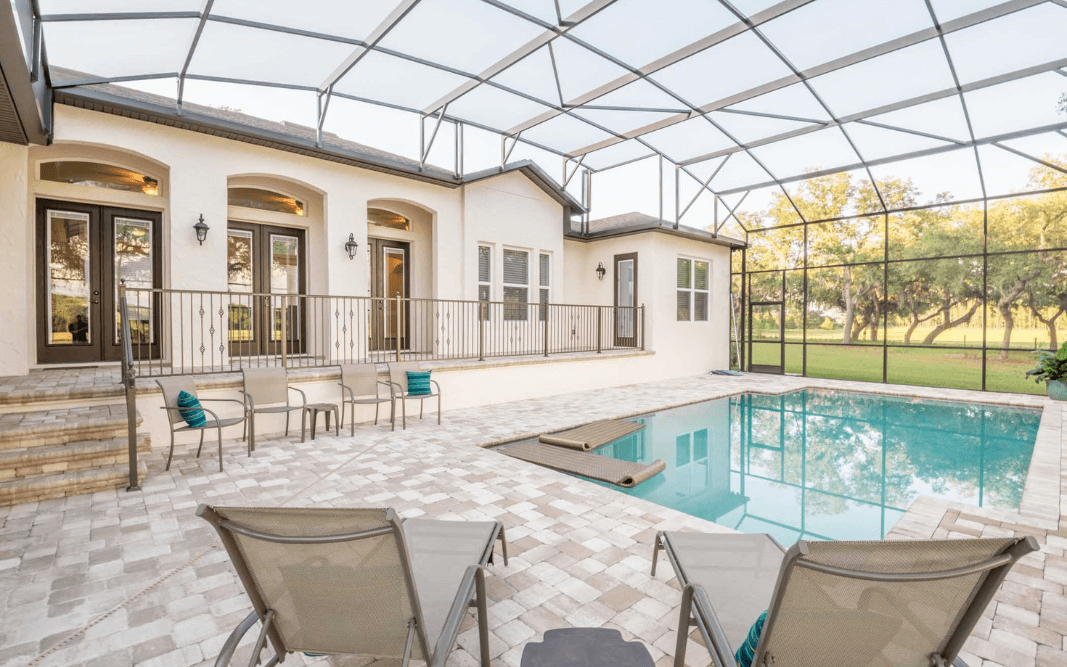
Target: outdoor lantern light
(351,246)
(201,230)
(600,270)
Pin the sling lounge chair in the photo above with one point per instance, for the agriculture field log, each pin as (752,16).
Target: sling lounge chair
(398,379)
(359,386)
(356,581)
(267,392)
(829,604)
(175,385)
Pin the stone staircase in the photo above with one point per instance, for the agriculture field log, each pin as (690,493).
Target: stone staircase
(52,451)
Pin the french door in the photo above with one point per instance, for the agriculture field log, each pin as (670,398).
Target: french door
(265,273)
(626,298)
(83,253)
(390,277)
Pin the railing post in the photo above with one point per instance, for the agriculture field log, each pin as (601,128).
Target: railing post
(129,382)
(396,331)
(284,335)
(547,308)
(482,306)
(599,336)
(642,327)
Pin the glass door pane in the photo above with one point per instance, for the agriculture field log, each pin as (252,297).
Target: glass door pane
(134,264)
(767,344)
(285,279)
(393,280)
(69,282)
(624,290)
(240,265)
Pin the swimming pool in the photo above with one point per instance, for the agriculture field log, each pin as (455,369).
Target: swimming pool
(823,465)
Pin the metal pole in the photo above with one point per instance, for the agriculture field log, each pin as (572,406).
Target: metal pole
(129,381)
(397,331)
(599,337)
(284,334)
(481,330)
(660,187)
(546,307)
(677,197)
(642,327)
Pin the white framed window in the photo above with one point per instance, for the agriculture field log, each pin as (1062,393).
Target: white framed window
(485,273)
(693,290)
(544,283)
(516,284)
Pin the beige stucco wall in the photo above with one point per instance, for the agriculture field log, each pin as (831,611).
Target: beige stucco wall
(16,242)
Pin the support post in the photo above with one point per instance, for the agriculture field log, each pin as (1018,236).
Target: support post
(599,334)
(482,306)
(396,331)
(284,333)
(546,307)
(642,327)
(129,382)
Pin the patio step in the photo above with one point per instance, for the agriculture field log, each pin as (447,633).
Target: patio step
(70,483)
(41,428)
(65,451)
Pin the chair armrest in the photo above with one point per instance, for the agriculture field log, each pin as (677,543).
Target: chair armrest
(455,617)
(235,638)
(386,384)
(344,388)
(213,414)
(250,405)
(710,628)
(397,385)
(223,400)
(434,383)
(303,396)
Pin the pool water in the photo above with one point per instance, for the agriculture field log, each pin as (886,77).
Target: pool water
(822,465)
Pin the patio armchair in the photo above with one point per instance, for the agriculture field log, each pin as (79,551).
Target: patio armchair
(267,392)
(359,386)
(836,603)
(356,581)
(398,380)
(175,385)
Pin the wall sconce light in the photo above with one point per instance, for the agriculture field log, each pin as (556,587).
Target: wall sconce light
(351,246)
(201,230)
(600,270)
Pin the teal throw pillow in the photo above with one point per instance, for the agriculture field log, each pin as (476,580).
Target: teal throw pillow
(419,383)
(747,652)
(190,410)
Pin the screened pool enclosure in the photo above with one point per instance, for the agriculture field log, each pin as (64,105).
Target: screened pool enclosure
(898,168)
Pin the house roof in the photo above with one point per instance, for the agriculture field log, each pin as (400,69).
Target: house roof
(634,223)
(284,136)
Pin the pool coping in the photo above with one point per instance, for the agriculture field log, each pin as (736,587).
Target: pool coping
(1041,498)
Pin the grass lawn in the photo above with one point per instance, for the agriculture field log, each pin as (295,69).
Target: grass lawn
(961,369)
(1021,339)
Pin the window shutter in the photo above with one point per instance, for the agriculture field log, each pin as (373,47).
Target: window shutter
(700,306)
(516,267)
(683,305)
(685,277)
(701,275)
(484,268)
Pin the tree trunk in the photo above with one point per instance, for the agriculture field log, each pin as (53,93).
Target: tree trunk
(949,324)
(876,319)
(911,329)
(850,306)
(1004,306)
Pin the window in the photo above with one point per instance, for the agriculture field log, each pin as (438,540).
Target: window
(265,200)
(485,276)
(545,283)
(382,218)
(516,281)
(692,290)
(99,176)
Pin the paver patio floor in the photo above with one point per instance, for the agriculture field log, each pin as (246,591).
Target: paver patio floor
(123,578)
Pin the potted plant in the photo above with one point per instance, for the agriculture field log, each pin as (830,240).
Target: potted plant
(1052,368)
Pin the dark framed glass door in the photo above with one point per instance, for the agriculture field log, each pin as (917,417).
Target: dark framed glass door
(625,300)
(83,253)
(265,274)
(390,276)
(766,327)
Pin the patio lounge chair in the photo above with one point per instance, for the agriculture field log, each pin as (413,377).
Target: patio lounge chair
(356,581)
(267,392)
(836,603)
(398,379)
(359,386)
(172,387)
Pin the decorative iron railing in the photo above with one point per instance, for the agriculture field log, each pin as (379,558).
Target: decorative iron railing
(179,332)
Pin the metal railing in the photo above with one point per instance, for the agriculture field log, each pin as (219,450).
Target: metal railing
(182,332)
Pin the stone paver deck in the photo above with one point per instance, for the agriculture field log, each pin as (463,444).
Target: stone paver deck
(122,578)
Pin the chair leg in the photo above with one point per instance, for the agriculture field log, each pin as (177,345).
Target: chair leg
(483,621)
(303,421)
(336,424)
(220,448)
(392,414)
(422,404)
(287,426)
(352,425)
(201,443)
(377,407)
(171,454)
(683,627)
(438,408)
(251,432)
(404,412)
